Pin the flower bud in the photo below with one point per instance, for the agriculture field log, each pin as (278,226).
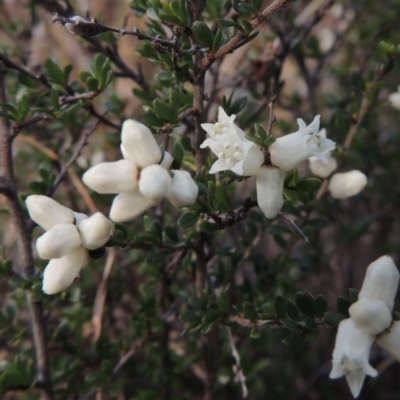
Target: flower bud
(112,177)
(371,316)
(79,217)
(127,206)
(381,281)
(139,144)
(167,160)
(269,184)
(61,272)
(154,182)
(394,99)
(319,168)
(47,212)
(347,184)
(95,231)
(58,241)
(73,25)
(391,341)
(183,191)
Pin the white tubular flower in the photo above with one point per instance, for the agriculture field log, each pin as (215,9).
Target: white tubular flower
(112,177)
(58,241)
(139,144)
(154,182)
(347,184)
(183,191)
(288,151)
(47,212)
(269,184)
(61,272)
(227,141)
(350,356)
(127,206)
(371,316)
(394,99)
(381,281)
(391,341)
(95,231)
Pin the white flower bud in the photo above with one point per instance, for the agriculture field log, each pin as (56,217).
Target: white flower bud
(58,241)
(139,144)
(394,99)
(351,354)
(95,231)
(47,212)
(167,160)
(391,341)
(79,217)
(347,184)
(371,316)
(61,272)
(381,281)
(269,184)
(319,168)
(154,182)
(72,26)
(112,177)
(127,206)
(183,191)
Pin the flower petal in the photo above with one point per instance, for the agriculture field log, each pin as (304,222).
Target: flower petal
(219,165)
(95,231)
(61,272)
(154,182)
(112,177)
(127,206)
(58,241)
(183,191)
(139,144)
(47,212)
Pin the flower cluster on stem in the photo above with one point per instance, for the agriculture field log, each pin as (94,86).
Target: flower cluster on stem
(67,239)
(370,316)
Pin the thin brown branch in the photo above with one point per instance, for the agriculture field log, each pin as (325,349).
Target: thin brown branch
(23,235)
(235,41)
(295,226)
(271,119)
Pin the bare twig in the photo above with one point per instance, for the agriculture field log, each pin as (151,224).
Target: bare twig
(239,371)
(295,226)
(272,118)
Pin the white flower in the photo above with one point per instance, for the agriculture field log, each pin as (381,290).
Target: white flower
(269,184)
(68,238)
(288,151)
(320,168)
(391,341)
(347,184)
(394,99)
(381,281)
(141,178)
(183,191)
(350,356)
(227,141)
(370,315)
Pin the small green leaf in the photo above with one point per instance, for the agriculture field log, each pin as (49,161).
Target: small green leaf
(294,339)
(268,141)
(238,105)
(207,226)
(292,311)
(309,184)
(92,84)
(343,304)
(150,117)
(177,153)
(260,131)
(203,34)
(254,333)
(247,40)
(189,219)
(164,111)
(305,302)
(190,316)
(217,42)
(54,99)
(54,72)
(280,306)
(224,304)
(310,322)
(249,311)
(354,294)
(333,317)
(228,23)
(321,305)
(157,256)
(290,195)
(258,141)
(357,80)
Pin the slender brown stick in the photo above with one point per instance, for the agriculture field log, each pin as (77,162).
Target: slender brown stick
(38,324)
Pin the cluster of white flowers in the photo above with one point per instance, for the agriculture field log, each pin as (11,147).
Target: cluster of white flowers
(341,185)
(370,317)
(235,152)
(68,238)
(142,178)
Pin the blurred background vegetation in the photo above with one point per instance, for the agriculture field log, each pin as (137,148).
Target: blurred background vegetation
(142,322)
